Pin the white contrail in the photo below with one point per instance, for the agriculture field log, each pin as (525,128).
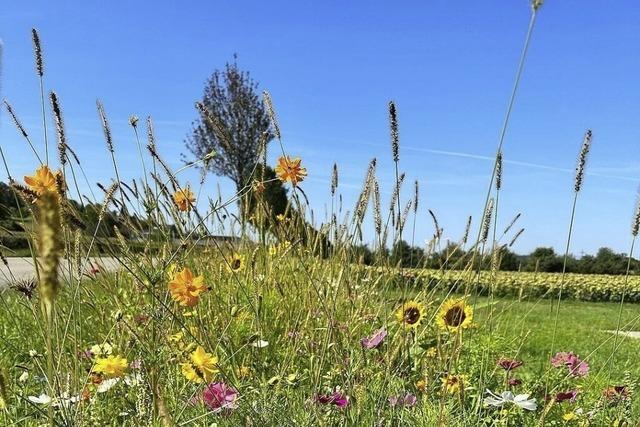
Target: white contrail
(512,162)
(518,163)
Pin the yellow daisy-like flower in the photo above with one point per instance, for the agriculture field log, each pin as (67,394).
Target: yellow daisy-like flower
(421,385)
(290,170)
(453,384)
(410,314)
(42,181)
(174,338)
(184,199)
(284,246)
(236,263)
(110,366)
(186,289)
(454,315)
(202,366)
(431,352)
(570,416)
(243,371)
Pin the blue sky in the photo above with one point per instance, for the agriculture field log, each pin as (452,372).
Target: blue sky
(331,68)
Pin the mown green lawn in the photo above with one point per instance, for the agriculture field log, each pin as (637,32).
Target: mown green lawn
(581,328)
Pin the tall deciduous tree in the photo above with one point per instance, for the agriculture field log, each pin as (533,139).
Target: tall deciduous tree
(232,122)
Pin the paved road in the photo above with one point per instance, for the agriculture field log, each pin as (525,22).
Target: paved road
(22,268)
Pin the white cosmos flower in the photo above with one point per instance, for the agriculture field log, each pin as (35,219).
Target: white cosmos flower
(523,401)
(63,400)
(520,400)
(260,343)
(43,399)
(133,380)
(130,380)
(106,385)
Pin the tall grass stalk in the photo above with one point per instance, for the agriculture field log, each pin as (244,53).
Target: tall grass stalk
(578,182)
(39,60)
(510,104)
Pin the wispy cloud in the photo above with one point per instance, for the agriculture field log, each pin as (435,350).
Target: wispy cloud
(598,172)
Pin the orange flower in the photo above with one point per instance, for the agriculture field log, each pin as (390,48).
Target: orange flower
(290,170)
(184,199)
(186,289)
(43,181)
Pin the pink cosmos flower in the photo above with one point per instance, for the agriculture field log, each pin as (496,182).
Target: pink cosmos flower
(514,382)
(336,398)
(560,359)
(375,340)
(509,364)
(220,397)
(576,366)
(570,395)
(408,400)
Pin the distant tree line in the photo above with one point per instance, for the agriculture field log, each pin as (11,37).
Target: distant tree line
(16,220)
(542,259)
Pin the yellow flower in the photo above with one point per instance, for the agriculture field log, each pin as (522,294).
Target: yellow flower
(410,314)
(110,366)
(453,384)
(243,371)
(284,246)
(236,263)
(570,416)
(202,366)
(431,352)
(421,385)
(290,170)
(273,250)
(186,289)
(184,199)
(175,338)
(454,315)
(43,181)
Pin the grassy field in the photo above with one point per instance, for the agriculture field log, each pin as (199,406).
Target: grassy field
(281,346)
(285,325)
(582,328)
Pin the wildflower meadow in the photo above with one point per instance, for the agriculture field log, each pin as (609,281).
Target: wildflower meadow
(167,308)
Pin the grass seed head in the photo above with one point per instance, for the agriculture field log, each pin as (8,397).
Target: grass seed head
(59,123)
(15,119)
(582,160)
(395,139)
(37,50)
(272,113)
(486,224)
(635,226)
(499,171)
(334,179)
